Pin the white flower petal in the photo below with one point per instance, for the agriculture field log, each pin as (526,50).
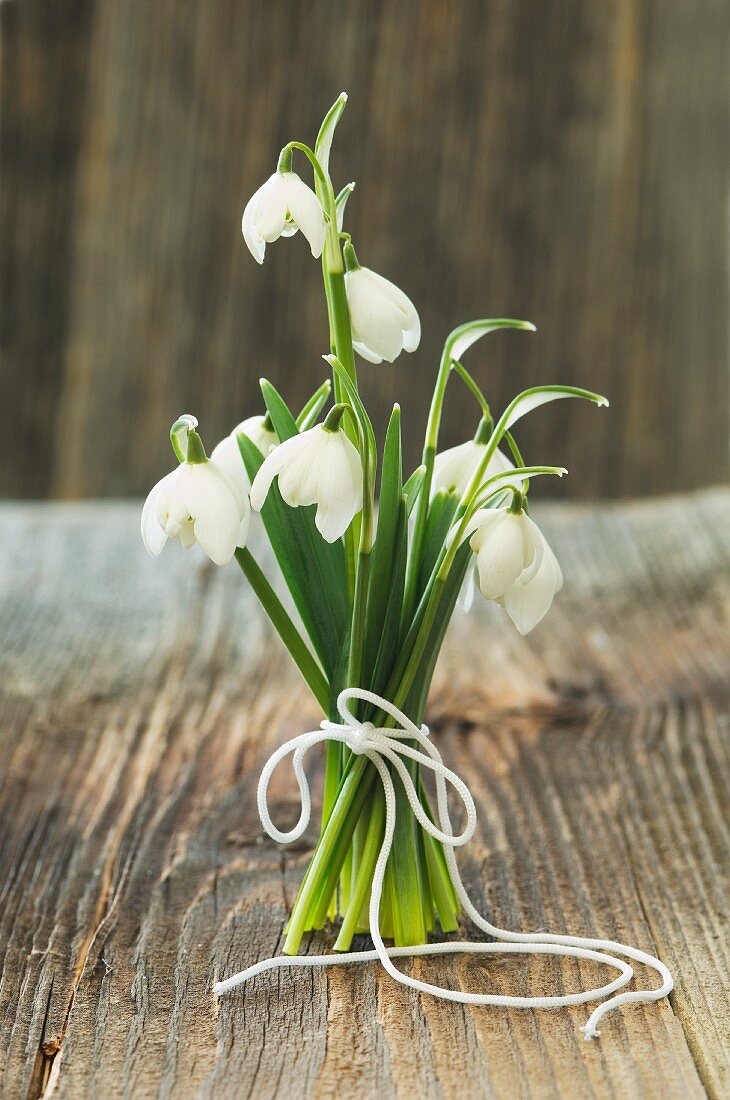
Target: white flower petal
(500,554)
(361,349)
(270,214)
(214,508)
(411,322)
(153,533)
(482,518)
(339,486)
(316,467)
(467,591)
(454,467)
(412,335)
(251,233)
(262,437)
(187,534)
(243,528)
(281,206)
(534,547)
(272,465)
(299,476)
(306,211)
(227,456)
(384,320)
(332,520)
(527,602)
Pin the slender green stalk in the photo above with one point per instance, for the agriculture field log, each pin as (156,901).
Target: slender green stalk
(428,459)
(329,855)
(409,926)
(363,877)
(285,628)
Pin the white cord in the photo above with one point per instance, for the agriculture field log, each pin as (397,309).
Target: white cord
(384,744)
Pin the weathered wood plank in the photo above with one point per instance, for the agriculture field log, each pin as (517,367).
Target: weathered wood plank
(139,700)
(568,164)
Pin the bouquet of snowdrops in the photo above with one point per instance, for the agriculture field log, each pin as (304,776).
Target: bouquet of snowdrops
(373,592)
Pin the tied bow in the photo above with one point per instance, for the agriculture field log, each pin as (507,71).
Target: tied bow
(384,745)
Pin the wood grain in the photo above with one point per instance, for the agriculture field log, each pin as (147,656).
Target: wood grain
(566,164)
(139,700)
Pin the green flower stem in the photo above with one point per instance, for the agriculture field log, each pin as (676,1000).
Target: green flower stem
(409,926)
(447,908)
(330,852)
(285,628)
(359,612)
(443,893)
(367,858)
(340,853)
(331,780)
(338,314)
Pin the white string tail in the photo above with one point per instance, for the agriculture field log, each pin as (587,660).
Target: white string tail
(383,746)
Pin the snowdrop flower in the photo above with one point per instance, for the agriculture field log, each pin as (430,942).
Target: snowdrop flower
(530,597)
(455,467)
(514,565)
(320,466)
(281,206)
(227,453)
(198,502)
(383,319)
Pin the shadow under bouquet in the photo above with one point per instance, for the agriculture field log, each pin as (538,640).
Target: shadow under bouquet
(373,593)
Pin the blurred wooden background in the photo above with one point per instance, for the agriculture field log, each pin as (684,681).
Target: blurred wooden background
(567,163)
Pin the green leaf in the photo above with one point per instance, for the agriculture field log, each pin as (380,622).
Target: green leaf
(314,570)
(386,578)
(341,203)
(284,626)
(440,517)
(284,423)
(387,647)
(179,433)
(462,338)
(366,427)
(308,416)
(540,395)
(412,488)
(516,453)
(416,702)
(323,144)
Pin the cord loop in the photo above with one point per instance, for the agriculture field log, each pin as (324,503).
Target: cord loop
(384,745)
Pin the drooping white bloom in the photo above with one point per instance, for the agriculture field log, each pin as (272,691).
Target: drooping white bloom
(455,467)
(384,320)
(197,502)
(281,206)
(529,598)
(227,453)
(319,466)
(514,565)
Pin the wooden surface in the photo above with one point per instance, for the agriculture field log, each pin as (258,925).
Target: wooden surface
(566,163)
(139,701)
